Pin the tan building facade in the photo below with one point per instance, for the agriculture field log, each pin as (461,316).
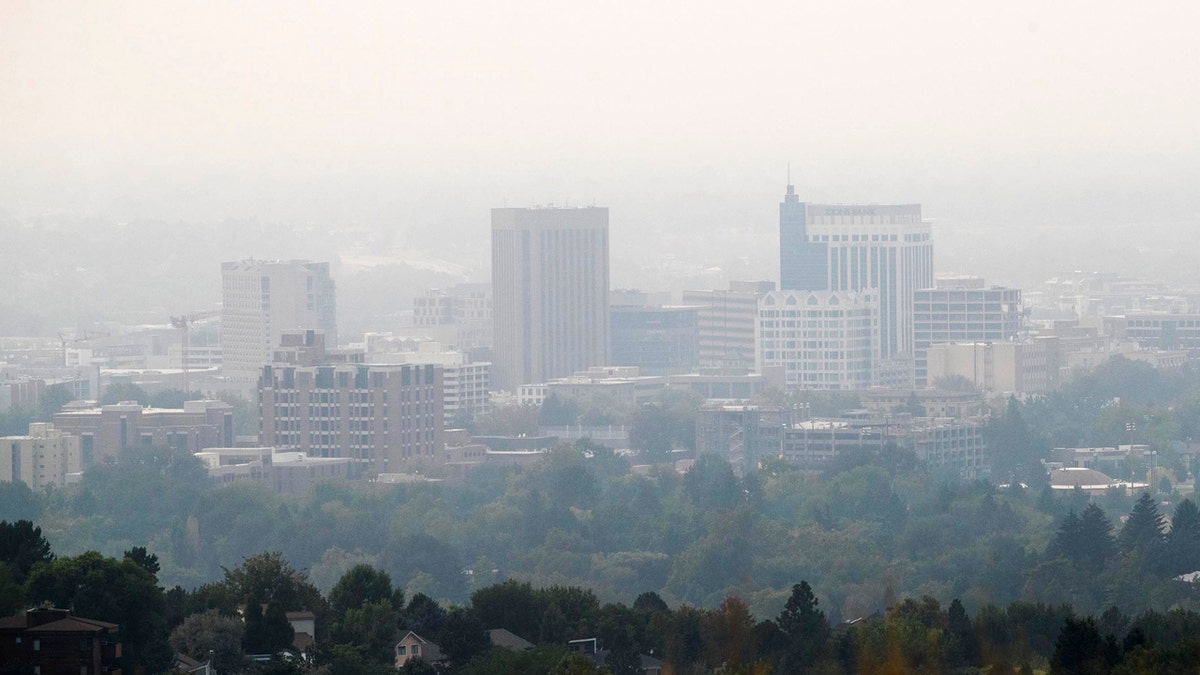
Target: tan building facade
(385,417)
(550,284)
(106,431)
(44,457)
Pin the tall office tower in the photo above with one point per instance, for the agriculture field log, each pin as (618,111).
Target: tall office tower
(550,289)
(264,298)
(840,247)
(962,309)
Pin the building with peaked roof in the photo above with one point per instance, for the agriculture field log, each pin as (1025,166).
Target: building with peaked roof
(50,640)
(413,646)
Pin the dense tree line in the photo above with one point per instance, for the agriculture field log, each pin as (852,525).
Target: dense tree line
(363,616)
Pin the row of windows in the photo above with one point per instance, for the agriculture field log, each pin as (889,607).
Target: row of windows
(816,360)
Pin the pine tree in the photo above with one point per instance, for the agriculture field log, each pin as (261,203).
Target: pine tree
(1096,545)
(1066,543)
(1143,531)
(1183,541)
(805,627)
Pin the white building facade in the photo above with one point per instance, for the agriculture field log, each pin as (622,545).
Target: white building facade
(820,339)
(264,298)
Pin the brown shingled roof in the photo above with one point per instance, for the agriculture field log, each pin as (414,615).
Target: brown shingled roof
(73,624)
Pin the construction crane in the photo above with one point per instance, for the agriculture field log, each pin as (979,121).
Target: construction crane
(183,323)
(78,339)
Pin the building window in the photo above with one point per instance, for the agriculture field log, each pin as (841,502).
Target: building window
(416,650)
(400,650)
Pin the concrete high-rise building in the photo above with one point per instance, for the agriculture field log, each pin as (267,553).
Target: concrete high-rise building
(854,247)
(264,298)
(45,457)
(385,417)
(821,339)
(962,309)
(727,319)
(550,288)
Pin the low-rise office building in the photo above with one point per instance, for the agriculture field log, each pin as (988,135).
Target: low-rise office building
(106,431)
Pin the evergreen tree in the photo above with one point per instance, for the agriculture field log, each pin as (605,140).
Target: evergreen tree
(1079,649)
(1066,543)
(1012,447)
(806,629)
(1143,530)
(21,547)
(1183,540)
(1096,543)
(964,645)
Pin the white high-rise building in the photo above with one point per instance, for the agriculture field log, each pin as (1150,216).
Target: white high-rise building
(855,247)
(264,298)
(550,293)
(820,339)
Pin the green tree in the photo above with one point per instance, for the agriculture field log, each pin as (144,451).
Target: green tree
(267,628)
(360,585)
(1014,451)
(120,392)
(1143,530)
(1183,540)
(373,627)
(211,633)
(651,433)
(21,547)
(711,484)
(512,605)
(18,502)
(269,579)
(804,628)
(120,592)
(52,402)
(173,398)
(556,411)
(1080,650)
(962,642)
(1095,545)
(463,636)
(143,559)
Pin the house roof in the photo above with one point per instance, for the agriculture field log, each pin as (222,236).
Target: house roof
(55,621)
(503,638)
(303,642)
(430,651)
(300,616)
(74,624)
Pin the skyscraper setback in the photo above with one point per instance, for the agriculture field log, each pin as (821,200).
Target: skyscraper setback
(855,247)
(550,292)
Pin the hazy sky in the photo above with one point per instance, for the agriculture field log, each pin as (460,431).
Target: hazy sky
(998,114)
(293,85)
